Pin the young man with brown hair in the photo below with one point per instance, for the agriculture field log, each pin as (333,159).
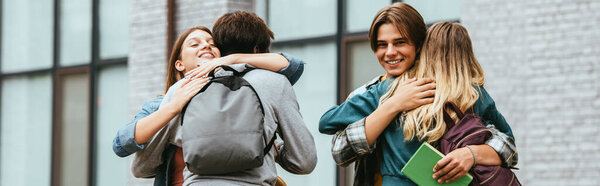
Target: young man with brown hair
(245,32)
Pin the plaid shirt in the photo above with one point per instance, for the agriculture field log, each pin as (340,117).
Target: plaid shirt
(351,143)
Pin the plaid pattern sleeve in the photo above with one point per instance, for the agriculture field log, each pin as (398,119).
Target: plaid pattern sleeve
(350,144)
(504,146)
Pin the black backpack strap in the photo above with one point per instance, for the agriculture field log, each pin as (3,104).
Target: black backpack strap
(271,143)
(230,69)
(224,67)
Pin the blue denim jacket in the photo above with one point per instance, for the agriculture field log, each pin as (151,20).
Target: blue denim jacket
(124,143)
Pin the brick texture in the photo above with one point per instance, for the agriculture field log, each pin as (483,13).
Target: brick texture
(542,63)
(147,60)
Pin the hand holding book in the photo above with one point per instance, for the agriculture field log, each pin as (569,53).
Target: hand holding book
(420,167)
(454,165)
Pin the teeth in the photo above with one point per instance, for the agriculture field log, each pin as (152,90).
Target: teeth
(394,62)
(206,54)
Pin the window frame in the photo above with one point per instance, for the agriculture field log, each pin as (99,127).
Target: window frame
(56,71)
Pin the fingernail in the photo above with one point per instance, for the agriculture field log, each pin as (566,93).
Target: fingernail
(434,177)
(440,181)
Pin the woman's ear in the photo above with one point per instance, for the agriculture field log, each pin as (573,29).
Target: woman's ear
(179,66)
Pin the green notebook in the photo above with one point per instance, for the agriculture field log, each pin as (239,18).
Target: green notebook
(420,167)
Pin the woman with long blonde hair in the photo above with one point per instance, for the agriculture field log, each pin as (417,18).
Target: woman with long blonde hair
(447,57)
(456,72)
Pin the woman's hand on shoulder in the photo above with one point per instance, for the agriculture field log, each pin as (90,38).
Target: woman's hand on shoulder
(188,89)
(412,93)
(205,67)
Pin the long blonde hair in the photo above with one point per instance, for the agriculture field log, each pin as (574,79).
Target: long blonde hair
(447,56)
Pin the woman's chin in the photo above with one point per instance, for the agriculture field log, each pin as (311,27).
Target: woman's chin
(394,72)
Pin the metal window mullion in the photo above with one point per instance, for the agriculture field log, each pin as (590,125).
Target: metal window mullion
(93,90)
(340,173)
(55,51)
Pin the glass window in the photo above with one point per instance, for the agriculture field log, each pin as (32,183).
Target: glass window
(75,32)
(26,127)
(360,13)
(114,28)
(291,19)
(260,8)
(316,92)
(362,64)
(72,134)
(112,114)
(26,35)
(437,10)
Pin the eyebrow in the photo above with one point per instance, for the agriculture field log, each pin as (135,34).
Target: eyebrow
(395,39)
(196,38)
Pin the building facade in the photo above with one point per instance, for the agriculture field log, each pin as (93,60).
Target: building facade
(73,72)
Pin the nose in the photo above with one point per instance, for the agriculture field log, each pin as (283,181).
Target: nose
(391,51)
(204,45)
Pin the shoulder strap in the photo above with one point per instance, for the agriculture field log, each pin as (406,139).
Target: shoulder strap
(228,68)
(449,122)
(271,143)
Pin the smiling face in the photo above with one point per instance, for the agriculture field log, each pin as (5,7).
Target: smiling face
(395,52)
(197,47)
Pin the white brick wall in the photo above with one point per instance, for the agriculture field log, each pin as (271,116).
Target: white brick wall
(147,59)
(542,62)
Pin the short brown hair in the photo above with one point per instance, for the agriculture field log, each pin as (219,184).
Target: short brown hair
(241,32)
(173,75)
(406,19)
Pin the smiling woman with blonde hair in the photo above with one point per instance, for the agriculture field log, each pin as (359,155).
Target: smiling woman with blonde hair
(448,58)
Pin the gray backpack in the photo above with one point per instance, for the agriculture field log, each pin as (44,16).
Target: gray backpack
(222,126)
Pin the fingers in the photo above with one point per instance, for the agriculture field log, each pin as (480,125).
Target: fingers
(443,167)
(452,166)
(198,83)
(198,72)
(455,177)
(423,81)
(440,164)
(409,81)
(426,94)
(426,87)
(426,101)
(446,178)
(203,71)
(193,87)
(185,82)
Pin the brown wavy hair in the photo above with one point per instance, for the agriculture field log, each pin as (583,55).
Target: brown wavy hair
(406,19)
(173,75)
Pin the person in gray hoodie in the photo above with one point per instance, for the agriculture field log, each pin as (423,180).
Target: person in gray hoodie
(245,32)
